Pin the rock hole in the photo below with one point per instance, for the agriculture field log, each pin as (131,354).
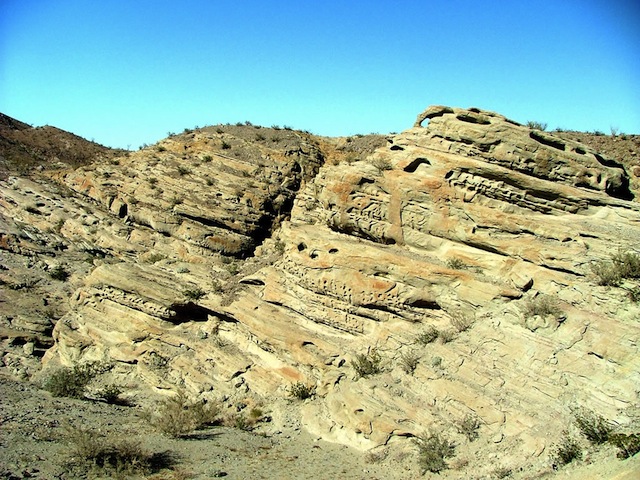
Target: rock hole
(333,250)
(301,246)
(396,147)
(413,166)
(449,174)
(314,254)
(547,140)
(188,312)
(365,180)
(424,303)
(123,210)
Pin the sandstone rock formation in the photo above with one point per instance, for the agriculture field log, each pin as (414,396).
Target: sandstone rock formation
(461,226)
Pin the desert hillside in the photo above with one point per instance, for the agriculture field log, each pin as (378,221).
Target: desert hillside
(470,281)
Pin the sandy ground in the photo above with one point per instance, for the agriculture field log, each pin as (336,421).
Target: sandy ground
(34,443)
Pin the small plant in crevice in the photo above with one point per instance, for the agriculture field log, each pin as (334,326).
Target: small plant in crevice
(382,164)
(542,305)
(446,336)
(182,170)
(628,444)
(456,264)
(194,294)
(621,266)
(301,391)
(566,450)
(433,450)
(595,427)
(409,362)
(461,322)
(367,364)
(428,335)
(634,294)
(469,426)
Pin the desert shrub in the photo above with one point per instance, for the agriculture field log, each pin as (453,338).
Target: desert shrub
(606,273)
(461,322)
(195,293)
(543,305)
(634,294)
(381,164)
(469,426)
(595,427)
(566,451)
(628,444)
(154,257)
(73,381)
(110,393)
(59,273)
(182,170)
(446,336)
(433,449)
(225,145)
(301,391)
(409,362)
(178,415)
(456,264)
(502,472)
(367,364)
(536,125)
(89,449)
(627,264)
(622,265)
(430,334)
(161,148)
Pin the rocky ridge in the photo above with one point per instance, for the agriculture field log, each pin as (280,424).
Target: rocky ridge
(237,261)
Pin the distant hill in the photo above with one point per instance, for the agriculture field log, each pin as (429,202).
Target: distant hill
(24,148)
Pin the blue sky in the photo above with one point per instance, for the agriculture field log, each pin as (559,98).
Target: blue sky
(126,72)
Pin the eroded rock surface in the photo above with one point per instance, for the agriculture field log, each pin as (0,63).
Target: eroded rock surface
(458,225)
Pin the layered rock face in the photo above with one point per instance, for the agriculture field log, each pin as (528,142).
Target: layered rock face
(447,276)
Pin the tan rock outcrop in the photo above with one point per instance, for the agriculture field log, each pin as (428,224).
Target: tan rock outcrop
(460,225)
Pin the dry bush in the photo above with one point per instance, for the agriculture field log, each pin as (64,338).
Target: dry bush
(542,305)
(461,322)
(367,364)
(593,426)
(178,415)
(301,391)
(409,362)
(72,381)
(430,334)
(446,336)
(469,426)
(433,449)
(566,451)
(382,164)
(628,444)
(103,455)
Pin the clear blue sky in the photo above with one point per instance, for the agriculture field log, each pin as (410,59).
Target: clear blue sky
(126,72)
